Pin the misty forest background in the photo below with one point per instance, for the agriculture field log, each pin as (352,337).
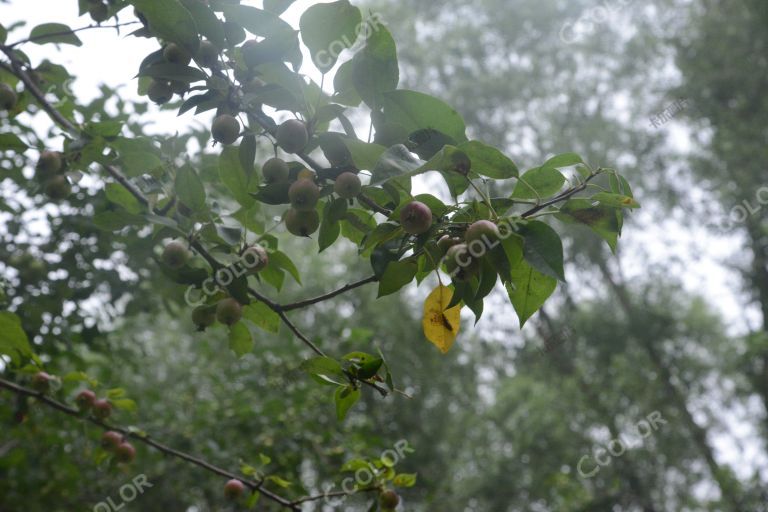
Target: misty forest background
(676,322)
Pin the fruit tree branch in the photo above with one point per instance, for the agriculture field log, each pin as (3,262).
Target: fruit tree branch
(50,402)
(330,295)
(70,31)
(567,194)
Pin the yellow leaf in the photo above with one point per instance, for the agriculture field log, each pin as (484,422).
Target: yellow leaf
(441,325)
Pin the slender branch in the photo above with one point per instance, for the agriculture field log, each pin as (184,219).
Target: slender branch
(330,295)
(560,197)
(50,402)
(334,494)
(70,31)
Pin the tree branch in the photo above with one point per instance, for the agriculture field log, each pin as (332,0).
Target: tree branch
(50,402)
(70,31)
(560,197)
(330,295)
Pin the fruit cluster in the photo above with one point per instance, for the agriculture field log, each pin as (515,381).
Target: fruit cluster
(50,173)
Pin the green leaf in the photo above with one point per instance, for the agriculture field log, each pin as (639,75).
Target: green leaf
(327,29)
(125,404)
(564,160)
(330,229)
(258,21)
(489,161)
(190,189)
(116,220)
(529,290)
(322,366)
(539,183)
(543,249)
(345,397)
(397,275)
(233,175)
(13,339)
(615,200)
(418,111)
(240,339)
(364,155)
(206,21)
(395,162)
(604,221)
(262,316)
(54,33)
(374,68)
(137,155)
(118,194)
(11,142)
(170,20)
(170,71)
(280,260)
(277,6)
(404,480)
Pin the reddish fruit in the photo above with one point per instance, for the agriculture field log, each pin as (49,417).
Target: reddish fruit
(416,218)
(302,223)
(8,97)
(229,311)
(41,382)
(110,440)
(348,185)
(482,232)
(57,188)
(389,500)
(48,165)
(225,129)
(85,399)
(460,264)
(275,170)
(125,452)
(304,194)
(292,136)
(446,242)
(207,55)
(102,409)
(255,258)
(176,54)
(176,254)
(160,91)
(203,317)
(234,489)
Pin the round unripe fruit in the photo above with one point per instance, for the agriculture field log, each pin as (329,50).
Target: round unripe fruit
(207,55)
(335,151)
(99,12)
(292,136)
(102,409)
(225,129)
(416,218)
(58,188)
(253,53)
(125,452)
(255,258)
(111,440)
(41,382)
(482,231)
(176,254)
(446,242)
(49,164)
(203,316)
(160,92)
(389,500)
(178,87)
(85,399)
(348,185)
(304,195)
(275,170)
(176,54)
(301,223)
(233,489)
(460,264)
(8,97)
(253,85)
(229,311)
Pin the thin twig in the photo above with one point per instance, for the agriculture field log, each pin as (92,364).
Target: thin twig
(70,31)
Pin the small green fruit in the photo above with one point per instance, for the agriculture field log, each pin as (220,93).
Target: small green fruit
(8,97)
(253,85)
(41,382)
(207,55)
(389,500)
(483,233)
(84,400)
(275,170)
(233,489)
(348,185)
(302,223)
(110,440)
(460,264)
(203,316)
(229,311)
(160,91)
(176,254)
(304,195)
(176,54)
(102,409)
(255,259)
(179,88)
(49,164)
(125,452)
(99,12)
(416,218)
(253,53)
(57,188)
(225,129)
(292,136)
